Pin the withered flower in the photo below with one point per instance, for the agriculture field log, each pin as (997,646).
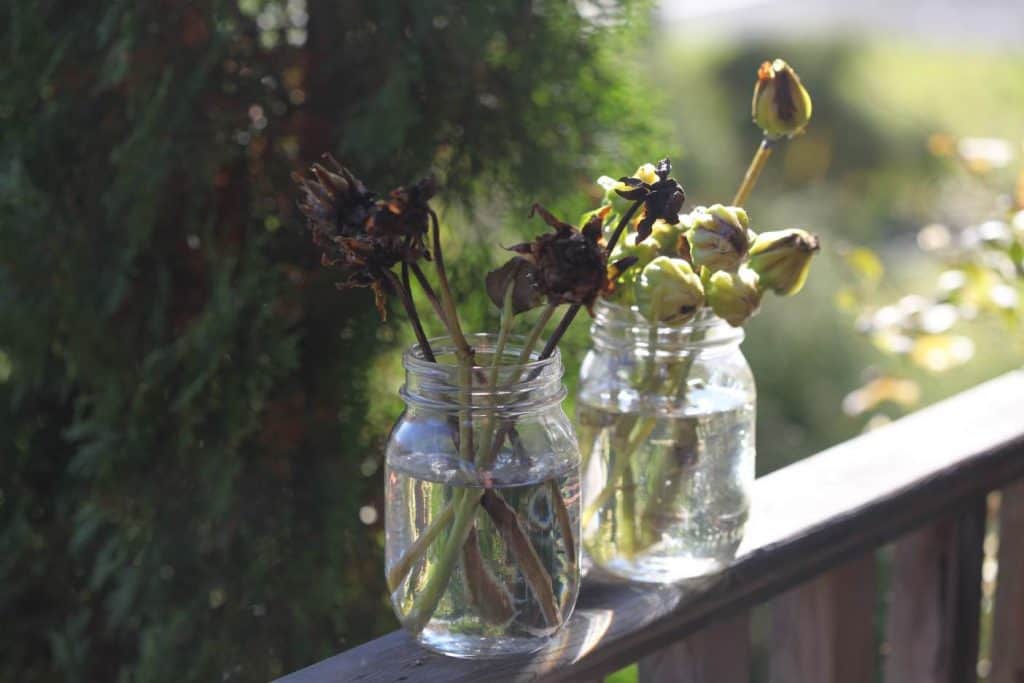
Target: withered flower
(567,266)
(663,198)
(363,235)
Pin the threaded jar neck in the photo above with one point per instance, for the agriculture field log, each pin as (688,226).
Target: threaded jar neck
(619,327)
(511,388)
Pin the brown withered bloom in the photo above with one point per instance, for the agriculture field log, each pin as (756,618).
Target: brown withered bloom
(568,266)
(663,199)
(363,235)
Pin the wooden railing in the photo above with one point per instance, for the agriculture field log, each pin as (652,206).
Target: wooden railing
(810,551)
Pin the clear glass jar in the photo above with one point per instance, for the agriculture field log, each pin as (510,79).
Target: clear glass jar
(665,418)
(482,543)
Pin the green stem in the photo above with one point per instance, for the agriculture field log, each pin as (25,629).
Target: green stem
(463,353)
(538,329)
(415,552)
(764,150)
(640,433)
(625,517)
(507,317)
(451,314)
(465,502)
(661,491)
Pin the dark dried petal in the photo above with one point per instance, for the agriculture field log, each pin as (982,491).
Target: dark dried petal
(616,269)
(593,229)
(683,248)
(638,189)
(664,168)
(522,275)
(549,218)
(645,226)
(333,182)
(524,249)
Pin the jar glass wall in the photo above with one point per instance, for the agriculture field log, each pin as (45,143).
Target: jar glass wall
(665,417)
(482,540)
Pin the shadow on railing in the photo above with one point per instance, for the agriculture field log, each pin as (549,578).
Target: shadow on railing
(921,481)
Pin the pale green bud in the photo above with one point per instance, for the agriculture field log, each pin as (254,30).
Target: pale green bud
(668,291)
(666,238)
(734,297)
(781,105)
(782,258)
(644,252)
(719,238)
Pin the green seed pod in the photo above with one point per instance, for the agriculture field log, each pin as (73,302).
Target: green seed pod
(644,252)
(781,105)
(667,237)
(782,258)
(734,297)
(719,237)
(668,291)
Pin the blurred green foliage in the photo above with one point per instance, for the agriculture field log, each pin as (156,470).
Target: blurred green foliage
(186,417)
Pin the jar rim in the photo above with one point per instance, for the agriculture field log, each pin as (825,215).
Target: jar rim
(414,360)
(517,388)
(612,314)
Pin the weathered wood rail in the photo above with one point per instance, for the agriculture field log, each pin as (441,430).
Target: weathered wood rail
(815,526)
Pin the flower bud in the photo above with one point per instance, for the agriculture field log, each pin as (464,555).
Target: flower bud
(668,291)
(719,237)
(665,237)
(644,252)
(781,259)
(781,105)
(734,297)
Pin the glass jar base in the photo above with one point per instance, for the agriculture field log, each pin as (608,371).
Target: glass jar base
(463,646)
(664,569)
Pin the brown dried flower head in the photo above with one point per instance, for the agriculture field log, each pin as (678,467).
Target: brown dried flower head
(362,235)
(567,266)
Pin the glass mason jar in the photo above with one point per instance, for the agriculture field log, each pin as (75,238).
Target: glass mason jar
(483,502)
(665,418)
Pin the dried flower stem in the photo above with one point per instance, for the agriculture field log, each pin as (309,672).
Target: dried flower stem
(487,593)
(518,543)
(764,151)
(428,291)
(623,222)
(564,523)
(410,311)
